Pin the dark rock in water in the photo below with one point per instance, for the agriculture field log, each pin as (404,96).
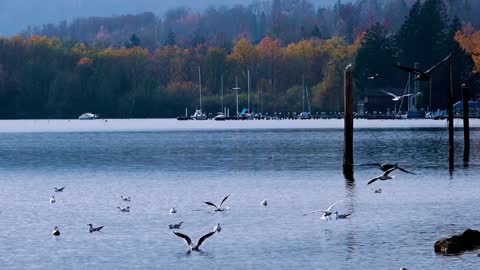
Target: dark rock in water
(468,240)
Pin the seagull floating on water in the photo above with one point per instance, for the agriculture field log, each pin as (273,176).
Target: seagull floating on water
(56,231)
(217,228)
(124,209)
(395,97)
(196,246)
(218,209)
(59,189)
(383,177)
(52,199)
(387,166)
(125,199)
(92,229)
(175,226)
(373,77)
(173,210)
(326,213)
(264,203)
(377,190)
(341,216)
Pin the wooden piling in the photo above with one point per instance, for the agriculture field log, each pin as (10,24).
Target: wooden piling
(348,125)
(451,152)
(466,126)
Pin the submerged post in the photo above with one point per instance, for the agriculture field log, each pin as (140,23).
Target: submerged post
(466,126)
(451,152)
(348,125)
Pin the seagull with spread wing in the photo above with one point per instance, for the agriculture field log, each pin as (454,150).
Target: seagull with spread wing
(422,75)
(384,176)
(326,213)
(218,208)
(387,166)
(395,97)
(188,240)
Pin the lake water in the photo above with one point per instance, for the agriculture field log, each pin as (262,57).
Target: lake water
(181,167)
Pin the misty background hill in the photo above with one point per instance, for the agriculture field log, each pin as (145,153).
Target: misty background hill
(17,15)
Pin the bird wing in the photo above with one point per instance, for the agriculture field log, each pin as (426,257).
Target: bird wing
(211,204)
(437,65)
(224,199)
(387,172)
(203,238)
(318,211)
(406,95)
(403,170)
(331,206)
(409,69)
(373,180)
(99,228)
(390,94)
(185,237)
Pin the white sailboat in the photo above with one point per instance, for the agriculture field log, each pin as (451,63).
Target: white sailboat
(304,114)
(199,114)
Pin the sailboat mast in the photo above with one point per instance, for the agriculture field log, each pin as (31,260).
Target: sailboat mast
(200,86)
(248,90)
(221,82)
(303,93)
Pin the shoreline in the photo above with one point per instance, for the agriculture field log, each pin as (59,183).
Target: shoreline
(165,125)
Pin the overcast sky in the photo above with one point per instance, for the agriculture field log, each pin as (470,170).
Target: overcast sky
(16,15)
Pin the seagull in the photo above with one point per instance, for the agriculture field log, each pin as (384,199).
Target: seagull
(125,199)
(373,77)
(173,210)
(326,213)
(217,228)
(59,189)
(124,209)
(384,176)
(422,76)
(377,190)
(92,229)
(218,209)
(341,216)
(175,226)
(56,231)
(52,199)
(194,247)
(264,203)
(387,166)
(395,97)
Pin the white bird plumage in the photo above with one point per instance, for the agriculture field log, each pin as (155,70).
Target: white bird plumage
(326,213)
(52,199)
(395,97)
(384,176)
(173,210)
(217,228)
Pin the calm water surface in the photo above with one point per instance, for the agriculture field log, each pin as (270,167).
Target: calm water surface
(160,170)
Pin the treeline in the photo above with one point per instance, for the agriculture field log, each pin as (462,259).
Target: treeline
(288,21)
(42,77)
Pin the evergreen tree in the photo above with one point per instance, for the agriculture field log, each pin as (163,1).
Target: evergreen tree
(316,32)
(171,39)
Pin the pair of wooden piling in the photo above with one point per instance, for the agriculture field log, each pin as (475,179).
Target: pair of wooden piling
(348,124)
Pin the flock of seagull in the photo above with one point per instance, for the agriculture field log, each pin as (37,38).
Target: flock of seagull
(326,213)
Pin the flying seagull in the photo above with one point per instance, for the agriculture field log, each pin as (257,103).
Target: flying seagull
(395,97)
(421,75)
(341,216)
(218,209)
(124,209)
(175,226)
(217,228)
(125,199)
(196,246)
(56,231)
(387,166)
(92,229)
(326,213)
(384,176)
(373,77)
(59,189)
